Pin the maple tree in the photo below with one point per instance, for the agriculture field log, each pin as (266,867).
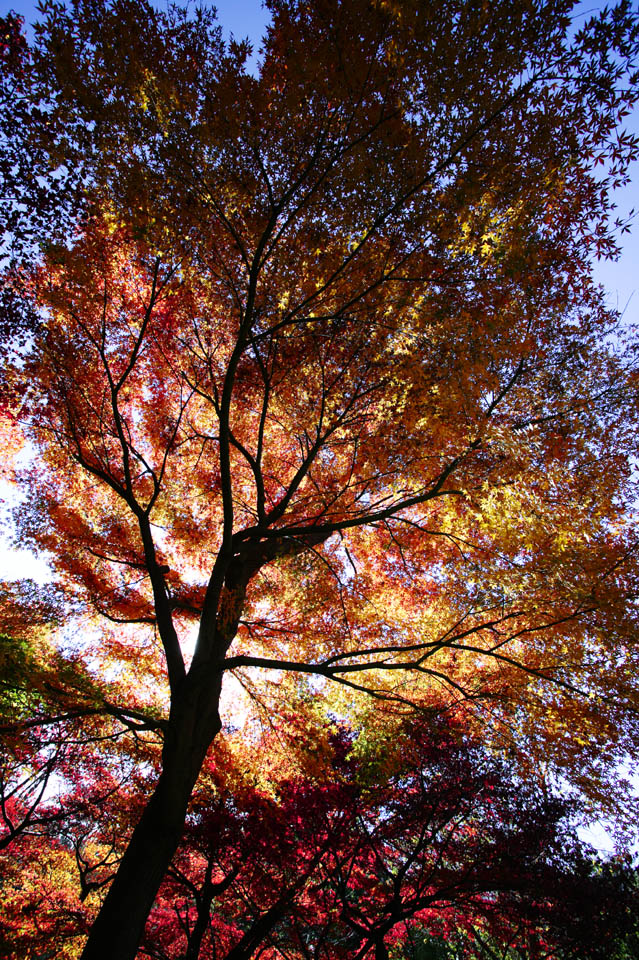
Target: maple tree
(322,374)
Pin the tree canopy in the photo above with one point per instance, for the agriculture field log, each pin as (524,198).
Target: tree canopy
(327,420)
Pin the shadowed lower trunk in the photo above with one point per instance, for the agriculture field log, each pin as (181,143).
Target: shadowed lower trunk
(119,926)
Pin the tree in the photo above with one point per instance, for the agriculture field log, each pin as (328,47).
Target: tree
(69,772)
(323,372)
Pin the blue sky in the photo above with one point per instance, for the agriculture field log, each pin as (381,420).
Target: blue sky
(242,18)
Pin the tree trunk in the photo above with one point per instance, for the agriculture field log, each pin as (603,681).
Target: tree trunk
(119,926)
(201,925)
(194,722)
(381,953)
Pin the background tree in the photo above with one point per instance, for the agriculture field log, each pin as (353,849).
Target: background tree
(349,847)
(379,848)
(323,370)
(71,766)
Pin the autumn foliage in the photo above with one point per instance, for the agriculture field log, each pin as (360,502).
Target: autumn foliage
(378,846)
(329,436)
